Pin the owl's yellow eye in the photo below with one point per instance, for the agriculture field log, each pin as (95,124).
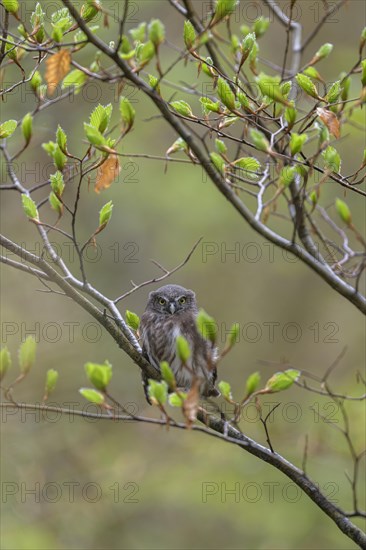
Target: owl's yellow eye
(182,300)
(162,302)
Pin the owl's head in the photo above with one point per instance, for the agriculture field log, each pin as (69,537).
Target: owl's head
(172,299)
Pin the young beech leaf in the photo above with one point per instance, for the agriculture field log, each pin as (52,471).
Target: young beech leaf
(343,211)
(218,162)
(132,320)
(225,390)
(167,374)
(27,124)
(222,9)
(105,214)
(249,165)
(158,392)
(332,159)
(176,400)
(11,6)
(61,139)
(57,183)
(93,396)
(7,128)
(182,108)
(156,31)
(27,354)
(252,383)
(99,375)
(220,146)
(226,94)
(127,112)
(51,380)
(206,326)
(307,85)
(259,140)
(260,26)
(55,203)
(139,33)
(233,335)
(282,380)
(100,117)
(296,142)
(183,349)
(5,362)
(287,175)
(29,207)
(189,34)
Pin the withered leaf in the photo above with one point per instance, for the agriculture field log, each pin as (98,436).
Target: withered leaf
(190,404)
(57,67)
(330,120)
(107,173)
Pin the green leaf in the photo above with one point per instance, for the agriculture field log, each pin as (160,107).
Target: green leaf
(61,139)
(226,94)
(94,136)
(132,320)
(145,52)
(55,203)
(246,46)
(343,211)
(290,116)
(27,124)
(206,326)
(208,69)
(282,380)
(296,142)
(232,337)
(183,349)
(209,105)
(244,101)
(182,108)
(334,92)
(154,83)
(99,375)
(156,32)
(27,354)
(307,85)
(5,362)
(127,112)
(105,214)
(75,79)
(100,117)
(222,9)
(225,390)
(270,86)
(12,6)
(57,183)
(220,146)
(363,75)
(36,80)
(29,207)
(59,158)
(189,34)
(260,26)
(332,159)
(176,400)
(259,140)
(218,162)
(323,51)
(167,374)
(252,383)
(158,392)
(249,165)
(7,128)
(93,396)
(51,380)
(287,175)
(139,33)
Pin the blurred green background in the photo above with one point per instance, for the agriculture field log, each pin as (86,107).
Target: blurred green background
(115,486)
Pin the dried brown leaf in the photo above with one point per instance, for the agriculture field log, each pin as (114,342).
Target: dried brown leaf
(58,66)
(191,403)
(107,173)
(330,120)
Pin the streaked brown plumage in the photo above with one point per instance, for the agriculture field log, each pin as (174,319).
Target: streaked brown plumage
(171,310)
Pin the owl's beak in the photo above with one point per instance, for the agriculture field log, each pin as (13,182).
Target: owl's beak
(172,307)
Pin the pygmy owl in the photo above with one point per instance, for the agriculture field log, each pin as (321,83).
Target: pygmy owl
(171,311)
